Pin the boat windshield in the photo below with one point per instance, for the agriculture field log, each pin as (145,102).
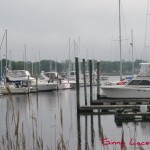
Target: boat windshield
(139,82)
(144,82)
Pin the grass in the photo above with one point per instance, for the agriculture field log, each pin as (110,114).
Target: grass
(15,138)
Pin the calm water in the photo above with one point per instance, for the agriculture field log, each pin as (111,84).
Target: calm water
(49,116)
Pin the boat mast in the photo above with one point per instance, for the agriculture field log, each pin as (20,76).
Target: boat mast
(1,55)
(6,52)
(56,64)
(32,67)
(49,64)
(25,59)
(39,63)
(69,61)
(74,46)
(1,64)
(132,52)
(9,65)
(120,41)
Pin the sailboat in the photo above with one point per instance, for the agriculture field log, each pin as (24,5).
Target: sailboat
(138,87)
(116,91)
(72,73)
(6,88)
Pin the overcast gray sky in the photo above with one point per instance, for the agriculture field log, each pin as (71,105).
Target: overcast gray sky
(46,25)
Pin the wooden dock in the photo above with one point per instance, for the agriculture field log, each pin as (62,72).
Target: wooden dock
(132,116)
(123,109)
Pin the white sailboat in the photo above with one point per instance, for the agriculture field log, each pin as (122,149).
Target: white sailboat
(6,88)
(72,73)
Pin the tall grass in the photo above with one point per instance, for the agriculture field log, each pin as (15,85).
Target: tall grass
(16,139)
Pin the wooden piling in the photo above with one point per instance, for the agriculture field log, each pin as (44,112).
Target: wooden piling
(86,133)
(84,77)
(98,80)
(79,132)
(90,72)
(77,84)
(92,132)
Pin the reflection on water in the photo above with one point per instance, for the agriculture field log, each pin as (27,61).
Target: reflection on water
(49,116)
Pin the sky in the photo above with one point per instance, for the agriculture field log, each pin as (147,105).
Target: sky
(45,26)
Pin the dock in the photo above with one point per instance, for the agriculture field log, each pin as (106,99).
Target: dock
(123,109)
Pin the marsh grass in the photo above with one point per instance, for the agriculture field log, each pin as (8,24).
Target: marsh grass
(61,144)
(16,139)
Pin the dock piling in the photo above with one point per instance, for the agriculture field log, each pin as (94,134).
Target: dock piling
(84,78)
(90,72)
(92,132)
(77,84)
(98,80)
(36,83)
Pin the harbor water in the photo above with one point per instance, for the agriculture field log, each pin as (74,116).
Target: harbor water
(48,120)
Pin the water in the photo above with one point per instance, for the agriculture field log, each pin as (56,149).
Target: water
(51,117)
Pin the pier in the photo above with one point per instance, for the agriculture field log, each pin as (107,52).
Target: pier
(128,108)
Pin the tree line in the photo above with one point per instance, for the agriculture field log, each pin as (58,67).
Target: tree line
(106,67)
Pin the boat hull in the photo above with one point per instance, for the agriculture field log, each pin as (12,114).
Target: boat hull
(125,92)
(43,87)
(13,90)
(63,86)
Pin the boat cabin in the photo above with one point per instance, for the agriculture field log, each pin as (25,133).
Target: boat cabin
(139,82)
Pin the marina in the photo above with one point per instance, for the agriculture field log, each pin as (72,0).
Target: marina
(79,118)
(51,98)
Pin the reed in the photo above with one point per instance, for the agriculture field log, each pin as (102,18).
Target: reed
(16,139)
(61,144)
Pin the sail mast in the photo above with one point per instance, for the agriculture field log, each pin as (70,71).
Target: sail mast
(132,52)
(39,63)
(6,52)
(1,55)
(120,42)
(25,59)
(69,61)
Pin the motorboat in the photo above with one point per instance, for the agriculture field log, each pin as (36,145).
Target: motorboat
(54,77)
(42,86)
(7,89)
(23,78)
(137,87)
(72,79)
